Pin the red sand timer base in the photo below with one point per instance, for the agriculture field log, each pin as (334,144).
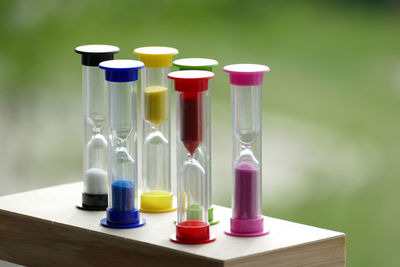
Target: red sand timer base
(122,219)
(247,228)
(192,232)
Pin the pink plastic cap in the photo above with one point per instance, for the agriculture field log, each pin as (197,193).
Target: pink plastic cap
(246,74)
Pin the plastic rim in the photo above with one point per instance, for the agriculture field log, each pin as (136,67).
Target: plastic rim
(250,228)
(96,49)
(246,74)
(155,50)
(92,55)
(192,232)
(191,75)
(157,204)
(158,210)
(229,232)
(211,238)
(195,64)
(191,80)
(121,64)
(88,208)
(156,56)
(246,68)
(107,224)
(121,70)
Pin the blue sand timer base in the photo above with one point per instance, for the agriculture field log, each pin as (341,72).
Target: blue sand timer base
(122,219)
(93,202)
(123,214)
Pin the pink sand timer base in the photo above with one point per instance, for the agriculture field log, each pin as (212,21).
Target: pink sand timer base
(247,228)
(192,232)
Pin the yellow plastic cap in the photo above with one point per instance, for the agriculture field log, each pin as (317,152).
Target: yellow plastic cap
(157,201)
(156,56)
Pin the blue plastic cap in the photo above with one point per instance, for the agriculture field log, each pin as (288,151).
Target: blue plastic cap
(121,70)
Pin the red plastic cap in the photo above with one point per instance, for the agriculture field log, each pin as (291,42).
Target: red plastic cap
(191,80)
(193,231)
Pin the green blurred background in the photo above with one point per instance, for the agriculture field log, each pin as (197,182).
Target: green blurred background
(330,103)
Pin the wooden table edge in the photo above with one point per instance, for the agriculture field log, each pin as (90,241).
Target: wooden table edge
(341,237)
(105,236)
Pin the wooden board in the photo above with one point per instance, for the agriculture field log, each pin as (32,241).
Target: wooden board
(43,228)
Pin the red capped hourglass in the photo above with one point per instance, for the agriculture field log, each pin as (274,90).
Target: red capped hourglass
(203,64)
(121,76)
(246,81)
(156,146)
(94,195)
(192,136)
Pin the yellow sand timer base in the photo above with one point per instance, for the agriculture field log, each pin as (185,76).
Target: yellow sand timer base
(157,201)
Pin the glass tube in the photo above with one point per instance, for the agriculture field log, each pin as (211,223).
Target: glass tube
(122,114)
(246,112)
(207,65)
(246,80)
(192,137)
(156,146)
(94,196)
(95,150)
(156,163)
(123,150)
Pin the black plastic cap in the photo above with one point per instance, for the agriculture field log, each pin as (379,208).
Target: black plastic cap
(93,55)
(94,201)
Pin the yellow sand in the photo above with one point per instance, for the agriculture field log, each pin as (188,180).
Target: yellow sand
(156,104)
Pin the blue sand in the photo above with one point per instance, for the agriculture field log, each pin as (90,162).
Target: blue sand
(123,196)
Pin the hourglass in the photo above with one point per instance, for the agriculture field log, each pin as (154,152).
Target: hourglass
(94,195)
(121,76)
(203,64)
(192,137)
(156,153)
(246,81)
